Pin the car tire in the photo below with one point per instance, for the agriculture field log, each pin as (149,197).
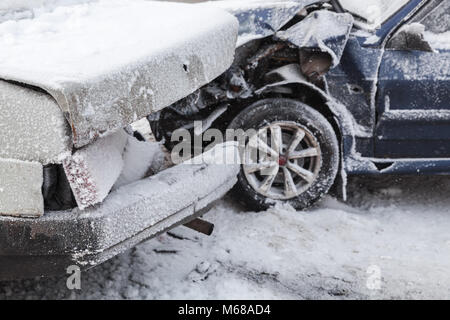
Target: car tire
(319,137)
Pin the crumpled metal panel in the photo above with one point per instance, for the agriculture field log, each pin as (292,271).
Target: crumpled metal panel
(307,47)
(265,20)
(322,30)
(260,19)
(291,74)
(130,215)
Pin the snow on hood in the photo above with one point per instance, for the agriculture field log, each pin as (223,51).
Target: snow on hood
(26,9)
(18,5)
(108,63)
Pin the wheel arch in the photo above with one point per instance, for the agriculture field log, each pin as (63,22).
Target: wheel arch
(337,114)
(311,97)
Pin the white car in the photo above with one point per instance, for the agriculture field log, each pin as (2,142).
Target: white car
(75,186)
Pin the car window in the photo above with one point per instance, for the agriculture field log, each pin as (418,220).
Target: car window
(438,20)
(373,12)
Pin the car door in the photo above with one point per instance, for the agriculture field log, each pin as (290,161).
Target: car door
(413,97)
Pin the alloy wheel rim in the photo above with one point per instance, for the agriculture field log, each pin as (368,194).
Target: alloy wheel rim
(282,160)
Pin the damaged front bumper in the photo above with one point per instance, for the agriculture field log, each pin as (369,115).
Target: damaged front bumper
(131,214)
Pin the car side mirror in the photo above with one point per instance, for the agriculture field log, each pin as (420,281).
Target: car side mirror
(410,38)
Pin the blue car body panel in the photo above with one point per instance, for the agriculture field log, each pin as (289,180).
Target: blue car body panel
(401,100)
(391,107)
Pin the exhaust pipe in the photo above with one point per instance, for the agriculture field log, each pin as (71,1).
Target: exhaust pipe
(201,226)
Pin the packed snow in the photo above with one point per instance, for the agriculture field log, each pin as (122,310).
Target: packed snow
(140,159)
(390,240)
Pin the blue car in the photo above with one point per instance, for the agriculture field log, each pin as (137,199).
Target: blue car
(339,87)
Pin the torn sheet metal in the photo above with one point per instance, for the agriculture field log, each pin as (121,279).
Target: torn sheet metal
(260,19)
(308,35)
(322,30)
(291,74)
(93,170)
(109,63)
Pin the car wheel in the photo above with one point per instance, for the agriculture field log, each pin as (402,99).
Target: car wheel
(298,163)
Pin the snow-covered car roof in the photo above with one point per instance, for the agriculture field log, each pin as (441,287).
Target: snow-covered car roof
(108,63)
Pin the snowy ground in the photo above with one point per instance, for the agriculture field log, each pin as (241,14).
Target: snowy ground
(392,230)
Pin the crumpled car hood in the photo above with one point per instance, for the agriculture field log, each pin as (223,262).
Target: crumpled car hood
(108,63)
(322,30)
(261,18)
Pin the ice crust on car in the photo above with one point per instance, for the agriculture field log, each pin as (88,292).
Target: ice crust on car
(32,127)
(20,188)
(109,63)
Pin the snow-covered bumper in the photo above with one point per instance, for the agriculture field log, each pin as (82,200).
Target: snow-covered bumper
(131,214)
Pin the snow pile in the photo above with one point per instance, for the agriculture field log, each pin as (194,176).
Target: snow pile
(413,28)
(20,188)
(141,159)
(32,127)
(110,62)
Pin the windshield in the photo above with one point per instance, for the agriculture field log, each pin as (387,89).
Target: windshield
(374,12)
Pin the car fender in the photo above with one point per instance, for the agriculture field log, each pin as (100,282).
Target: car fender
(291,75)
(291,80)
